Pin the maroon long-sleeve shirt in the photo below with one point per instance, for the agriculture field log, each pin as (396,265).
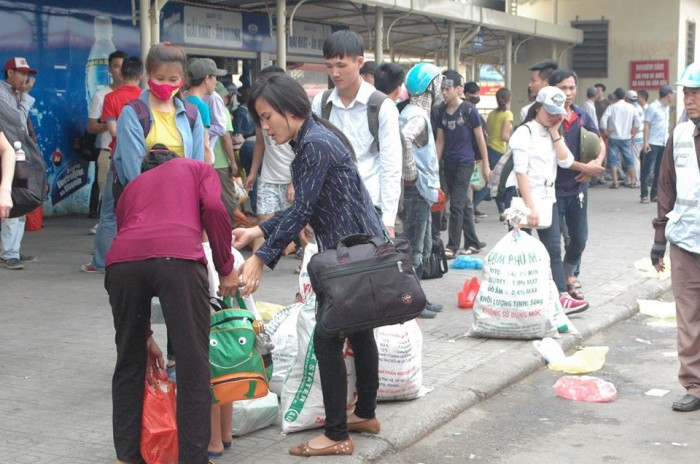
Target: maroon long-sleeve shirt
(161,214)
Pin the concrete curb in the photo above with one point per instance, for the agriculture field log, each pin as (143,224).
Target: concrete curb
(409,422)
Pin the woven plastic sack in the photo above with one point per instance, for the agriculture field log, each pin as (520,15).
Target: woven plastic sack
(515,298)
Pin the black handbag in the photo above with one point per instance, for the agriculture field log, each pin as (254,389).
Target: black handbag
(365,282)
(435,266)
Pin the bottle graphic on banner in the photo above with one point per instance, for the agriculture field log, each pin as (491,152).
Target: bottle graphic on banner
(97,67)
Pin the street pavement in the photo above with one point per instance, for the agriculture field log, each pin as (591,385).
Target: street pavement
(57,350)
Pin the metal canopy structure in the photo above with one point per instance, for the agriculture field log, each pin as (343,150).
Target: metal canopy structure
(443,30)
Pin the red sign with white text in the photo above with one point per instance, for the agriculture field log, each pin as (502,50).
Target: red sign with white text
(648,74)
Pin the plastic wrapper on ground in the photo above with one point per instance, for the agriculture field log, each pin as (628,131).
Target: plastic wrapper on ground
(585,388)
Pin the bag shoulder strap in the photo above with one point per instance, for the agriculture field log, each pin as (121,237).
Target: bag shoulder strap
(326,106)
(191,112)
(141,110)
(374,104)
(142,113)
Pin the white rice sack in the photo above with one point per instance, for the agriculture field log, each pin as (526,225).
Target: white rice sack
(400,361)
(515,298)
(302,399)
(282,330)
(252,415)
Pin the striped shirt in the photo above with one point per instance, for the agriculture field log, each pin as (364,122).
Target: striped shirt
(328,194)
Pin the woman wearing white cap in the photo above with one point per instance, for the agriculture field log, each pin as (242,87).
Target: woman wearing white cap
(538,148)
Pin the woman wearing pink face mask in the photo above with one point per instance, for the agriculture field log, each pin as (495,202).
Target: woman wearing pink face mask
(166,67)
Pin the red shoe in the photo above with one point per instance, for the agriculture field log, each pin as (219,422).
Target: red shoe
(571,305)
(89,268)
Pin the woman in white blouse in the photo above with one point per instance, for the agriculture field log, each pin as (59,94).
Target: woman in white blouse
(538,148)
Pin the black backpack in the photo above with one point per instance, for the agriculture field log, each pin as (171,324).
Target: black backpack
(373,105)
(26,199)
(85,146)
(436,265)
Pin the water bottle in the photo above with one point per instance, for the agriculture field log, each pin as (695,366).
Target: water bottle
(97,67)
(21,179)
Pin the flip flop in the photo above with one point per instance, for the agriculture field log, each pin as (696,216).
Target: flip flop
(449,254)
(468,251)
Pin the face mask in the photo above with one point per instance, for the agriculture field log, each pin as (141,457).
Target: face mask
(163,92)
(474,99)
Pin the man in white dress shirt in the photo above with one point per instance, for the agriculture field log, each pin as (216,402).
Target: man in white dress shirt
(379,161)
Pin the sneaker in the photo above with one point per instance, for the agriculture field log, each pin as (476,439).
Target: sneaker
(571,305)
(13,264)
(89,268)
(26,259)
(653,200)
(479,214)
(434,307)
(93,231)
(644,200)
(426,314)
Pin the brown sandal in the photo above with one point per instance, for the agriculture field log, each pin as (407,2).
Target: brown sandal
(342,447)
(575,293)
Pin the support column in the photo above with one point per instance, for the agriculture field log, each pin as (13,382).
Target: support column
(144,28)
(379,34)
(281,34)
(155,22)
(451,45)
(509,60)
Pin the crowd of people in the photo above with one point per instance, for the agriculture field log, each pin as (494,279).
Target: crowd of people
(354,159)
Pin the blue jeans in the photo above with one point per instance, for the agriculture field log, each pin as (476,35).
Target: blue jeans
(616,148)
(485,193)
(416,225)
(551,239)
(246,155)
(107,228)
(457,178)
(574,210)
(12,234)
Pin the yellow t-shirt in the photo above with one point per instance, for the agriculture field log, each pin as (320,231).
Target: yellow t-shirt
(494,125)
(164,130)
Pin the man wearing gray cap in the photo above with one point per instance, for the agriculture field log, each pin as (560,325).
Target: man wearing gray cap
(203,73)
(656,120)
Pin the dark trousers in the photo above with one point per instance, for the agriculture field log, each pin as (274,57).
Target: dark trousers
(574,211)
(649,170)
(485,193)
(334,381)
(416,225)
(183,289)
(551,239)
(457,179)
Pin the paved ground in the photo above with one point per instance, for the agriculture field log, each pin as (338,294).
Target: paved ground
(57,348)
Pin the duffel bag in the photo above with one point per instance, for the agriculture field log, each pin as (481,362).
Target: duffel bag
(365,282)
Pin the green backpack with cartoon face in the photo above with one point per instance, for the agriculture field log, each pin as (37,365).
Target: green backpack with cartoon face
(239,371)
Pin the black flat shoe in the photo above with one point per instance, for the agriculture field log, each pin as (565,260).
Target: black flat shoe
(687,403)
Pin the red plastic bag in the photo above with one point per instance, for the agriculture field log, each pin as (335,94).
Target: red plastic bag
(159,423)
(585,388)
